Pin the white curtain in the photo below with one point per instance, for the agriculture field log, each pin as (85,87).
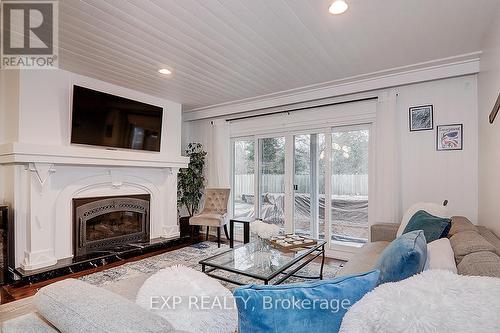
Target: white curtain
(387,165)
(219,154)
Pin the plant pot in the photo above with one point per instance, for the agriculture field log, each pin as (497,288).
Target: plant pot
(185,228)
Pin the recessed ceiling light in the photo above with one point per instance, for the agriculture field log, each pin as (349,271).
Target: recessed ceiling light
(338,7)
(165,71)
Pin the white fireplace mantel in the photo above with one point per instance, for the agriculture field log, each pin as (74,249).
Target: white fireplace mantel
(44,179)
(43,197)
(81,155)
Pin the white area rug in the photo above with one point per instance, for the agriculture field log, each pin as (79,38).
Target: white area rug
(180,294)
(433,301)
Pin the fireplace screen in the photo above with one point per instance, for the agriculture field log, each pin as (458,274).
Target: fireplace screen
(105,223)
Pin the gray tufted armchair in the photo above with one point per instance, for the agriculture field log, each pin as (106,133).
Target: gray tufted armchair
(214,212)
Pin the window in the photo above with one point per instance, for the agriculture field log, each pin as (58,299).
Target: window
(244,178)
(350,186)
(272,180)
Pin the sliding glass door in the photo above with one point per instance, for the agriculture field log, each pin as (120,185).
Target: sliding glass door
(313,183)
(309,184)
(304,184)
(272,180)
(244,178)
(349,186)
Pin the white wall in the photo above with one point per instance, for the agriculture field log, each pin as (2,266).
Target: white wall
(9,105)
(430,175)
(489,134)
(408,167)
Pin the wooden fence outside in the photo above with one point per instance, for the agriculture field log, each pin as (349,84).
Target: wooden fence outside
(343,185)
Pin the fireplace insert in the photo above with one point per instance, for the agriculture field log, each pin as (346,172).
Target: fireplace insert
(108,223)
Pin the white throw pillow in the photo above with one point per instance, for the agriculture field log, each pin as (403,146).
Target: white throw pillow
(429,207)
(440,256)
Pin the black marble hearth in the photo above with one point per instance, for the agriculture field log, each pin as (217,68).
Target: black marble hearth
(93,260)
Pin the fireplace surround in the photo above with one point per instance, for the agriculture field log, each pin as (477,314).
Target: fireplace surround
(109,223)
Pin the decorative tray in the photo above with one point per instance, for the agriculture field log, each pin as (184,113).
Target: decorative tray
(290,241)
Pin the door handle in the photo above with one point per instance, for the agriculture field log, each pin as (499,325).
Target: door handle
(295,187)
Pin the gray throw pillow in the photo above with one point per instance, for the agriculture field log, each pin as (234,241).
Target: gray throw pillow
(460,224)
(74,306)
(466,242)
(482,263)
(490,237)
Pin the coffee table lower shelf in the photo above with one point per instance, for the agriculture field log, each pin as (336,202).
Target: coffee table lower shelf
(287,270)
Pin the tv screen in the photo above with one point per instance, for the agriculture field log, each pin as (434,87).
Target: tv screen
(101,119)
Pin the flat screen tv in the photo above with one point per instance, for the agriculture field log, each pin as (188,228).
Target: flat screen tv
(101,119)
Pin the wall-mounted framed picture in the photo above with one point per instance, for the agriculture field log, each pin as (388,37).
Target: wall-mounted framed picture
(449,137)
(421,118)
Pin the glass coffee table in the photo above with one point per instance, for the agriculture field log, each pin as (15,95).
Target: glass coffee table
(264,263)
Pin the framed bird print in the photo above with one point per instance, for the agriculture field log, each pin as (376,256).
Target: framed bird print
(450,137)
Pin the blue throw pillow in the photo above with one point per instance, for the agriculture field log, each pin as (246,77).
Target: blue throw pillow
(434,227)
(300,308)
(403,257)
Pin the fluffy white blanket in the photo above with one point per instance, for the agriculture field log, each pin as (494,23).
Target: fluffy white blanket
(433,301)
(190,300)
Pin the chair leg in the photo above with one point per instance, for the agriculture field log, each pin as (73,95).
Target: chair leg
(218,236)
(208,229)
(225,231)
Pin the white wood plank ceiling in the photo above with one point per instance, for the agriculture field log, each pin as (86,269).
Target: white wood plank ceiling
(226,50)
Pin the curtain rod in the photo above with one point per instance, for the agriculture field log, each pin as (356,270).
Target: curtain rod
(302,108)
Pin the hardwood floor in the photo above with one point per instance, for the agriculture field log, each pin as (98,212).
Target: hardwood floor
(10,293)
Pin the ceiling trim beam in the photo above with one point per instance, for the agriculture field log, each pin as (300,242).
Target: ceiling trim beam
(432,70)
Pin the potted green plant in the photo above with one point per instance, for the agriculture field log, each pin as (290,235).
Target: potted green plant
(190,184)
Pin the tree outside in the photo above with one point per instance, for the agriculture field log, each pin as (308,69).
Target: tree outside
(350,152)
